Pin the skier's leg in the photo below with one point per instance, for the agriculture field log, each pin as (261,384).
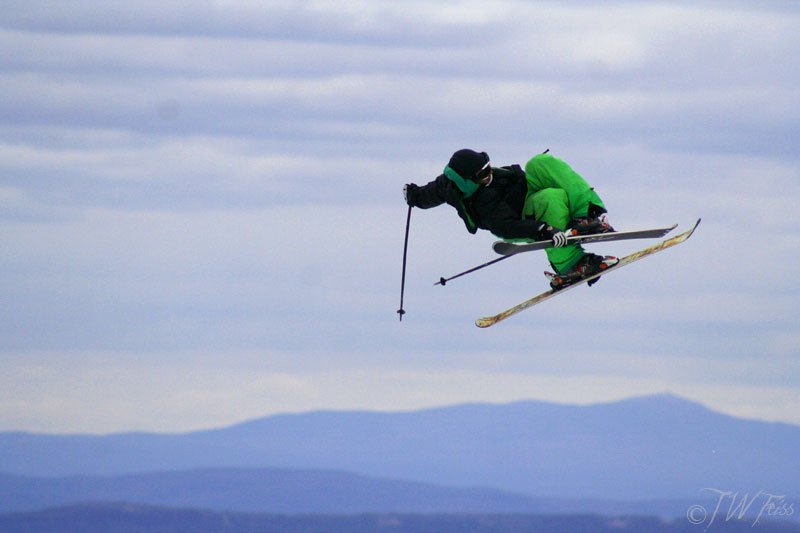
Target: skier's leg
(551,206)
(544,171)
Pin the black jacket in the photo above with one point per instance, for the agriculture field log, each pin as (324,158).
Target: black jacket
(497,207)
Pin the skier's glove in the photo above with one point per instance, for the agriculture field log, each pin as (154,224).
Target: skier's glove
(410,194)
(546,232)
(560,239)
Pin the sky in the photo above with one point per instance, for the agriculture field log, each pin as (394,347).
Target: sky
(201,212)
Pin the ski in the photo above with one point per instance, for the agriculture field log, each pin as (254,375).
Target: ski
(663,245)
(510,248)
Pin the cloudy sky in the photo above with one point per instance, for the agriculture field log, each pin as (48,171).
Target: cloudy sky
(201,218)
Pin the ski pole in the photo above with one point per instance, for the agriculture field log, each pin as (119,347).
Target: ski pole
(400,311)
(443,281)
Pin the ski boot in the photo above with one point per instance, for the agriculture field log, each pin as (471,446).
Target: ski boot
(588,265)
(590,226)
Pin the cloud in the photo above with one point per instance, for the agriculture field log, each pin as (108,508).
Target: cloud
(196,177)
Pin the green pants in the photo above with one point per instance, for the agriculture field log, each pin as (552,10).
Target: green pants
(556,195)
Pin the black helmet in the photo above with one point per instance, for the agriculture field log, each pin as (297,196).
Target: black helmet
(464,168)
(468,162)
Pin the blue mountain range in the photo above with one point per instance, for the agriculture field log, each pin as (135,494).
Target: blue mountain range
(646,448)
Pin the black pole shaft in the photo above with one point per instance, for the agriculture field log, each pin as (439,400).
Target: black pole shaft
(443,281)
(401,311)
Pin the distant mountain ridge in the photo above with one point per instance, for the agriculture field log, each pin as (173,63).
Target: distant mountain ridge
(305,492)
(124,518)
(642,448)
(280,491)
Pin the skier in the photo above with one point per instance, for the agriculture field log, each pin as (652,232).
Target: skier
(539,203)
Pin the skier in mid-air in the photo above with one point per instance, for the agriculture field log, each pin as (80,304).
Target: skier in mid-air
(540,203)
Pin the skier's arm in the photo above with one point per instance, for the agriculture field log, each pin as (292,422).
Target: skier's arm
(504,223)
(534,230)
(513,229)
(426,196)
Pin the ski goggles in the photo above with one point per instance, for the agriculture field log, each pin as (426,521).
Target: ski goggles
(483,174)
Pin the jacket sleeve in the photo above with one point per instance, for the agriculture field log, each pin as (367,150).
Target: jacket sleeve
(508,226)
(431,194)
(500,209)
